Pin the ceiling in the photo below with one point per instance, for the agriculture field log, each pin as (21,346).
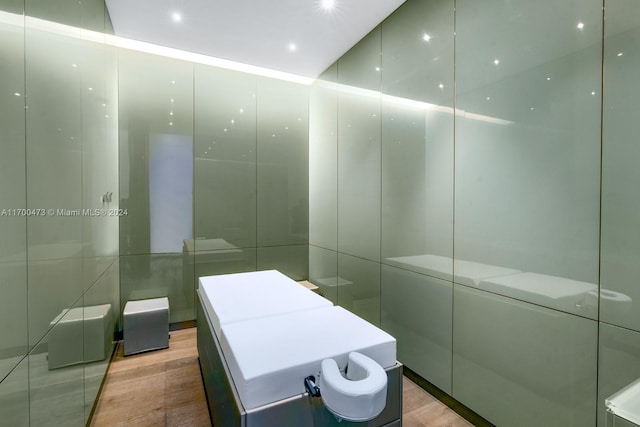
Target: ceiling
(302,37)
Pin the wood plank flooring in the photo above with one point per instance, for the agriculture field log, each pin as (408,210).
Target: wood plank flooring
(164,388)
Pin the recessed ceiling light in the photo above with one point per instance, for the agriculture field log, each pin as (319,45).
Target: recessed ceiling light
(580,25)
(328,4)
(426,37)
(176,17)
(292,47)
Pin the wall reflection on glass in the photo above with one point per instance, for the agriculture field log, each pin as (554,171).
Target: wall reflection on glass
(225,160)
(527,149)
(156,180)
(620,200)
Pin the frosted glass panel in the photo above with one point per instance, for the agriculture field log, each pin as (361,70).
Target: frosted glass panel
(283,163)
(359,175)
(54,148)
(360,67)
(417,311)
(520,364)
(53,286)
(14,396)
(13,314)
(225,158)
(359,287)
(323,272)
(56,374)
(618,363)
(211,263)
(620,200)
(417,142)
(12,140)
(156,153)
(417,52)
(13,255)
(323,162)
(527,150)
(290,260)
(417,190)
(160,275)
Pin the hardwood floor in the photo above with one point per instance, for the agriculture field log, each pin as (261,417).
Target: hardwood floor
(164,388)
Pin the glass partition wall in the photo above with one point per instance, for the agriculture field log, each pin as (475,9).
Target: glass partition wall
(472,177)
(213,177)
(59,270)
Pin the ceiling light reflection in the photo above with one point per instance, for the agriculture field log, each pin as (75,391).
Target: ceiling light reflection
(426,37)
(176,17)
(328,4)
(580,25)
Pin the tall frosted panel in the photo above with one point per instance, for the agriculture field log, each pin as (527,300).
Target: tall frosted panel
(225,158)
(359,150)
(156,157)
(13,255)
(54,72)
(283,177)
(520,364)
(417,138)
(620,291)
(323,161)
(527,151)
(156,152)
(283,163)
(224,172)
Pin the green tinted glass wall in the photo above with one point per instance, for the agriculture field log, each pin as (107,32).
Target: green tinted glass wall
(58,266)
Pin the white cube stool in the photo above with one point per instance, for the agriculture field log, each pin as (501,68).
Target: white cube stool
(81,334)
(145,325)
